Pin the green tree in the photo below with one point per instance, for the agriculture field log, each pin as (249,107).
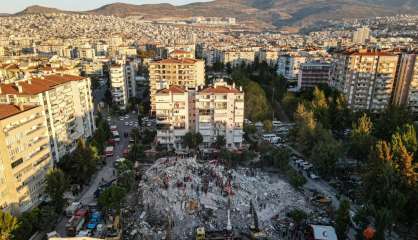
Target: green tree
(56,185)
(289,103)
(320,107)
(220,141)
(267,125)
(342,219)
(111,198)
(257,107)
(326,153)
(8,224)
(297,215)
(361,138)
(390,120)
(192,140)
(340,114)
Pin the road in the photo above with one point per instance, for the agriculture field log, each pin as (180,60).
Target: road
(324,188)
(106,173)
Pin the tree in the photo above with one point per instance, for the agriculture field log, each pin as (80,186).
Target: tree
(56,185)
(8,224)
(326,153)
(361,138)
(267,125)
(192,140)
(257,107)
(340,114)
(111,198)
(320,107)
(220,141)
(342,219)
(297,215)
(390,120)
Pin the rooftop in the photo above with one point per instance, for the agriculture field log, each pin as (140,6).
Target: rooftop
(8,110)
(37,85)
(177,61)
(172,89)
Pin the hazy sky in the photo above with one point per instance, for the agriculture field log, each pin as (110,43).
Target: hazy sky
(13,6)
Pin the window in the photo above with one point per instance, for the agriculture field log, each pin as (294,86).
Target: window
(17,162)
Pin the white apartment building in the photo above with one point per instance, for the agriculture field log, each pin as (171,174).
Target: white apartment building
(118,85)
(268,56)
(213,111)
(368,79)
(289,66)
(25,157)
(172,113)
(361,35)
(220,112)
(67,103)
(236,57)
(184,72)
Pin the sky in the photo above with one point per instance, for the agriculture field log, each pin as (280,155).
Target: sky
(77,5)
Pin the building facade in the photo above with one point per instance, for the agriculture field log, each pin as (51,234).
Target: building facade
(368,79)
(288,66)
(118,86)
(67,103)
(172,114)
(25,156)
(213,111)
(313,74)
(185,72)
(220,112)
(406,87)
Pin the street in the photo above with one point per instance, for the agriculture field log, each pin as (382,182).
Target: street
(106,173)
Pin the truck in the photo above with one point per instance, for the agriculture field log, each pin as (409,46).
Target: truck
(70,210)
(74,225)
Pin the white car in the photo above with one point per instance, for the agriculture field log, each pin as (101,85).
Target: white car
(126,124)
(109,119)
(313,176)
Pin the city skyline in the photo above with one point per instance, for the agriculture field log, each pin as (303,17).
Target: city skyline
(79,5)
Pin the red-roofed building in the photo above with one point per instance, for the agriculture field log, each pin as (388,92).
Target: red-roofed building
(220,112)
(213,111)
(67,104)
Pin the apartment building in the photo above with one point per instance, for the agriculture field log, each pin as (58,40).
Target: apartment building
(235,57)
(172,113)
(179,53)
(288,66)
(67,104)
(368,79)
(118,85)
(213,111)
(25,156)
(313,74)
(220,112)
(361,35)
(268,56)
(406,87)
(184,72)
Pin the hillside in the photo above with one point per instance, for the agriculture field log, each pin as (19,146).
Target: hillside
(278,13)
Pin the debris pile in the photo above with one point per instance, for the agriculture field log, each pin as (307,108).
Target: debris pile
(188,194)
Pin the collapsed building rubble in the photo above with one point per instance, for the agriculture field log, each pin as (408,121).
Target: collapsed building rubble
(193,194)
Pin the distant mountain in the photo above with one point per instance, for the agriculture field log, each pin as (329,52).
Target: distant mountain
(263,13)
(37,9)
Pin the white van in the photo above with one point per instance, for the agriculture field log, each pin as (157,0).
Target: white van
(271,138)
